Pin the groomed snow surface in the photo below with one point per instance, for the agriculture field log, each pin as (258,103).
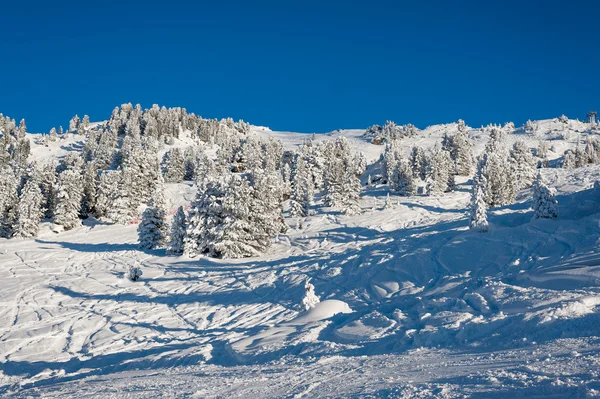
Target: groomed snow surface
(413,304)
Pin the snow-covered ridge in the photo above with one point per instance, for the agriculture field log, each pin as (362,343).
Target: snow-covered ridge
(413,303)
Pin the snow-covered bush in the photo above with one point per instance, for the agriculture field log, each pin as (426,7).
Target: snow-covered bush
(134,273)
(310,298)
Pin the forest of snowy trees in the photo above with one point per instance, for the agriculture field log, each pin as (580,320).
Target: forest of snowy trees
(243,187)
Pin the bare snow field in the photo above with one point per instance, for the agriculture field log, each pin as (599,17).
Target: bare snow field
(414,304)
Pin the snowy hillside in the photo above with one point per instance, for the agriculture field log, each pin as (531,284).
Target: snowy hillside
(413,303)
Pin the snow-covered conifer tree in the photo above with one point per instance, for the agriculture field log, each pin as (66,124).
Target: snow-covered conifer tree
(388,202)
(402,179)
(120,209)
(177,233)
(523,164)
(29,210)
(174,166)
(350,194)
(440,180)
(205,218)
(542,153)
(69,196)
(478,207)
(545,204)
(302,188)
(9,200)
(417,162)
(47,185)
(152,228)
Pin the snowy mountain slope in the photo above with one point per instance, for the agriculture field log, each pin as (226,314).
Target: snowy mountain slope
(437,310)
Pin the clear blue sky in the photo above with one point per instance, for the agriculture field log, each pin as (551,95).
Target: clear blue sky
(302,65)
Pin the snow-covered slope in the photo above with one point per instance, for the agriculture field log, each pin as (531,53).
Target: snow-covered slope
(414,304)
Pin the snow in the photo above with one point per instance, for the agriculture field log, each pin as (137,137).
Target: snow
(414,304)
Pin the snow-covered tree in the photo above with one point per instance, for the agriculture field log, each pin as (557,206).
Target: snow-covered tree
(9,200)
(29,210)
(388,202)
(174,166)
(74,124)
(152,228)
(205,217)
(523,164)
(350,195)
(402,179)
(499,186)
(121,208)
(69,196)
(47,185)
(391,157)
(418,163)
(478,207)
(310,299)
(545,204)
(542,153)
(302,189)
(177,233)
(461,151)
(440,179)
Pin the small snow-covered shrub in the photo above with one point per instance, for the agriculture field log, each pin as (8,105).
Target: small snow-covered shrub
(310,298)
(134,273)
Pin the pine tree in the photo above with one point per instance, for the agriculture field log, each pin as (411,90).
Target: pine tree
(152,228)
(402,180)
(120,209)
(350,195)
(205,218)
(440,180)
(108,182)
(302,189)
(173,166)
(29,210)
(523,164)
(478,206)
(545,204)
(47,185)
(69,195)
(9,200)
(417,162)
(542,153)
(462,153)
(177,233)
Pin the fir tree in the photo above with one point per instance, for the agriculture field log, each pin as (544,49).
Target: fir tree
(350,195)
(523,164)
(173,166)
(418,163)
(152,228)
(177,233)
(545,204)
(302,189)
(478,206)
(9,200)
(402,180)
(440,180)
(69,196)
(29,211)
(120,209)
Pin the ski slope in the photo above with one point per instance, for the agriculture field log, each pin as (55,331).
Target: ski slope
(413,303)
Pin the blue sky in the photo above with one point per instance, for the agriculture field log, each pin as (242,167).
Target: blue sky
(310,66)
